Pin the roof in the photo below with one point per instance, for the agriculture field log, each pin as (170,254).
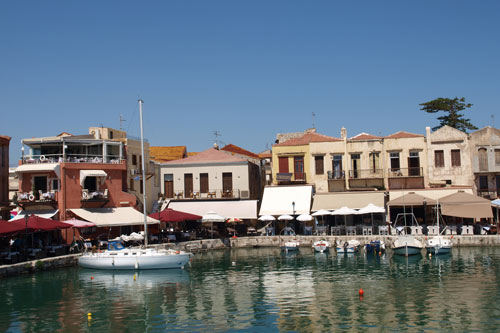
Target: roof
(308,138)
(365,136)
(210,155)
(238,150)
(192,153)
(266,154)
(164,154)
(403,135)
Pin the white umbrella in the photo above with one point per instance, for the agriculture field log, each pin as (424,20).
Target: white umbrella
(212,217)
(266,218)
(285,217)
(370,209)
(345,211)
(304,218)
(322,212)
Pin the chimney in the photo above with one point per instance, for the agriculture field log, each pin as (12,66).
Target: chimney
(216,146)
(343,132)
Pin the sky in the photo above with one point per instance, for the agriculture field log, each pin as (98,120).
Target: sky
(247,69)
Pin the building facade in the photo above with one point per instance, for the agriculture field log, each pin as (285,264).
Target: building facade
(4,177)
(485,151)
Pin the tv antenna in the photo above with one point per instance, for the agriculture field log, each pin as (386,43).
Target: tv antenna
(313,116)
(122,120)
(217,134)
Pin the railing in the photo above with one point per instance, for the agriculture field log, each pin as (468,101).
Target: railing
(94,196)
(36,196)
(286,177)
(71,158)
(336,175)
(366,173)
(212,194)
(489,193)
(405,172)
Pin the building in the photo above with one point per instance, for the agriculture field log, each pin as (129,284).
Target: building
(212,180)
(4,177)
(485,151)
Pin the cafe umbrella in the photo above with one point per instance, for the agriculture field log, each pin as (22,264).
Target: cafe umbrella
(212,217)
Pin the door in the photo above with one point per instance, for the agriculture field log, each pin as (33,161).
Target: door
(337,167)
(355,165)
(227,184)
(188,185)
(40,183)
(483,159)
(414,164)
(203,182)
(169,185)
(298,167)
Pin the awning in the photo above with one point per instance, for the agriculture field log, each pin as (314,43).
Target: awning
(111,217)
(355,200)
(243,209)
(466,205)
(46,213)
(278,200)
(40,167)
(435,194)
(91,173)
(411,199)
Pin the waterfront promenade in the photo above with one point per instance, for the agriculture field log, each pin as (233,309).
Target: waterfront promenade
(198,246)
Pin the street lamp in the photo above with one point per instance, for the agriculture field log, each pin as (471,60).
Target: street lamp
(293,207)
(293,214)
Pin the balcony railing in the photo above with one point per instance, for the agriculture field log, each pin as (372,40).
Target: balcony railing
(405,172)
(212,194)
(95,195)
(336,175)
(366,173)
(36,196)
(71,158)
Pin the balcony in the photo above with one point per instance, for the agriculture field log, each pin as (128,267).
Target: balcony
(405,172)
(212,195)
(489,193)
(406,178)
(366,179)
(71,158)
(291,178)
(37,198)
(366,174)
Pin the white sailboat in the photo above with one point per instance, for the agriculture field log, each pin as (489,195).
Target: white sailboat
(116,257)
(438,244)
(405,244)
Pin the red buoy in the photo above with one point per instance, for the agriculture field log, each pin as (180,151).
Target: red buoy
(361,292)
(91,277)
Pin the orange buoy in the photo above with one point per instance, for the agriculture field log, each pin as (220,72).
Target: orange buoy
(361,292)
(380,253)
(451,236)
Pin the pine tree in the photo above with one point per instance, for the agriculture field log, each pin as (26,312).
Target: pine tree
(453,107)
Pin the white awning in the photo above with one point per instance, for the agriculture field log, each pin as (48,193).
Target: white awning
(40,167)
(111,217)
(278,200)
(435,194)
(45,213)
(242,209)
(91,173)
(354,200)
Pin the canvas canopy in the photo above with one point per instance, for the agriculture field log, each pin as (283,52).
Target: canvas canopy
(91,173)
(465,205)
(111,217)
(411,199)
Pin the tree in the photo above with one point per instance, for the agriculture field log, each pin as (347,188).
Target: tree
(453,107)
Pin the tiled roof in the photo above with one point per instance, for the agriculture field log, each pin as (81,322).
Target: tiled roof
(403,135)
(230,148)
(192,153)
(266,154)
(164,154)
(211,155)
(308,138)
(365,136)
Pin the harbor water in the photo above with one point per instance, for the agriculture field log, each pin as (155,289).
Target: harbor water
(263,289)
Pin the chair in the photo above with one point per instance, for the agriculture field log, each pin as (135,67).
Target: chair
(467,230)
(269,231)
(432,230)
(367,231)
(383,230)
(351,231)
(308,231)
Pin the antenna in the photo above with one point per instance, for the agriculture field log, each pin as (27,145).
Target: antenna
(492,120)
(122,120)
(217,134)
(313,116)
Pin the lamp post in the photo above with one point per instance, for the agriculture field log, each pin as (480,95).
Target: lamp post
(293,214)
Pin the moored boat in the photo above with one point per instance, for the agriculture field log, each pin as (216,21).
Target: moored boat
(438,245)
(290,246)
(375,246)
(407,246)
(321,246)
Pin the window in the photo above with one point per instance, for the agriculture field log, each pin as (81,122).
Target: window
(455,158)
(319,165)
(55,184)
(227,184)
(497,156)
(168,185)
(483,159)
(337,167)
(394,156)
(90,183)
(483,183)
(188,184)
(111,134)
(134,159)
(141,185)
(439,159)
(204,182)
(374,162)
(355,165)
(132,184)
(414,164)
(283,164)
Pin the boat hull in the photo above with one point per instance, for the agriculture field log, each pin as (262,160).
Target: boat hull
(438,250)
(321,246)
(121,261)
(438,245)
(407,250)
(290,246)
(375,246)
(349,249)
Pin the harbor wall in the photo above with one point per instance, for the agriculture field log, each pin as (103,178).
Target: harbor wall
(39,265)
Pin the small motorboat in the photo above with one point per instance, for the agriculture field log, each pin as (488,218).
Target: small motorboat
(321,246)
(438,245)
(351,246)
(407,246)
(290,246)
(375,246)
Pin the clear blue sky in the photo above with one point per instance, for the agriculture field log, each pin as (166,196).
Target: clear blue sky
(249,69)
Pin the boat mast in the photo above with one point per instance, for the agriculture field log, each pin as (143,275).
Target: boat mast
(143,179)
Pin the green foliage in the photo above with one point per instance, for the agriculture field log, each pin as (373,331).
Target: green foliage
(39,265)
(453,107)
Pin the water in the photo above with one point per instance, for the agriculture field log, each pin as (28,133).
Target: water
(264,290)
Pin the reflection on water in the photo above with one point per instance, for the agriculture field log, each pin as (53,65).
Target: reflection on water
(265,289)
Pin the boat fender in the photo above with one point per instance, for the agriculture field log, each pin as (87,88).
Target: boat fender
(31,197)
(177,252)
(42,158)
(85,195)
(346,245)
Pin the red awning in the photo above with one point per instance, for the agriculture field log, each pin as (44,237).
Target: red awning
(37,223)
(172,215)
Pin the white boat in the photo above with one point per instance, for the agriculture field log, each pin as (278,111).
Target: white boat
(321,246)
(438,244)
(116,257)
(407,246)
(290,246)
(351,246)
